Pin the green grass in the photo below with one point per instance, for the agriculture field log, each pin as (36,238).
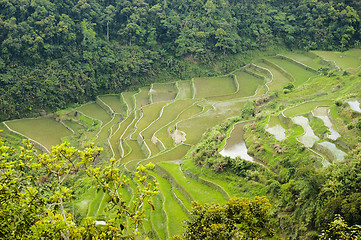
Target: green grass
(95,111)
(129,100)
(142,97)
(115,102)
(214,86)
(200,192)
(227,181)
(163,92)
(159,223)
(305,108)
(46,131)
(300,74)
(278,81)
(181,197)
(185,90)
(175,213)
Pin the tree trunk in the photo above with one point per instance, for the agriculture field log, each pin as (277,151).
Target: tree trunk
(108,31)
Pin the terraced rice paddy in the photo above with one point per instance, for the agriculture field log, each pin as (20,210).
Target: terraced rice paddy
(276,128)
(305,108)
(115,102)
(299,73)
(214,86)
(235,146)
(349,60)
(305,58)
(95,111)
(46,131)
(163,92)
(160,123)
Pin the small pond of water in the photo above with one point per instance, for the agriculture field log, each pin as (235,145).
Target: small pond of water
(275,128)
(340,155)
(322,113)
(235,146)
(355,105)
(308,138)
(278,131)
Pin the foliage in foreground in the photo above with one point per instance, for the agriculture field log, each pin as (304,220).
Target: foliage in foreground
(236,219)
(34,189)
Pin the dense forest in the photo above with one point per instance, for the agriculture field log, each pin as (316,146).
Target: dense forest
(58,53)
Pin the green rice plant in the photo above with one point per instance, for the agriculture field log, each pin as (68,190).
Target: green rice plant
(174,211)
(104,132)
(142,98)
(163,135)
(115,102)
(163,92)
(248,85)
(279,80)
(152,147)
(115,138)
(129,100)
(170,112)
(182,198)
(299,73)
(306,58)
(93,110)
(149,114)
(344,60)
(200,192)
(196,126)
(136,152)
(158,220)
(76,127)
(214,86)
(305,108)
(185,90)
(176,153)
(46,131)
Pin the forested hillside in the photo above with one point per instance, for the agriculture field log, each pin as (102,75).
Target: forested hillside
(57,53)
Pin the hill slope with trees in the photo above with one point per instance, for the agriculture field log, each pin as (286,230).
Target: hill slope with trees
(57,53)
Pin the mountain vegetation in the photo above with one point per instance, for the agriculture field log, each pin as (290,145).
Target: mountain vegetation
(58,53)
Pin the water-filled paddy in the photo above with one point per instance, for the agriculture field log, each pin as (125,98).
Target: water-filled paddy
(308,138)
(355,105)
(274,127)
(236,146)
(338,154)
(322,113)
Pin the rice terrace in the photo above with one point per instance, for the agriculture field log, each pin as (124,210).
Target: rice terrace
(276,99)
